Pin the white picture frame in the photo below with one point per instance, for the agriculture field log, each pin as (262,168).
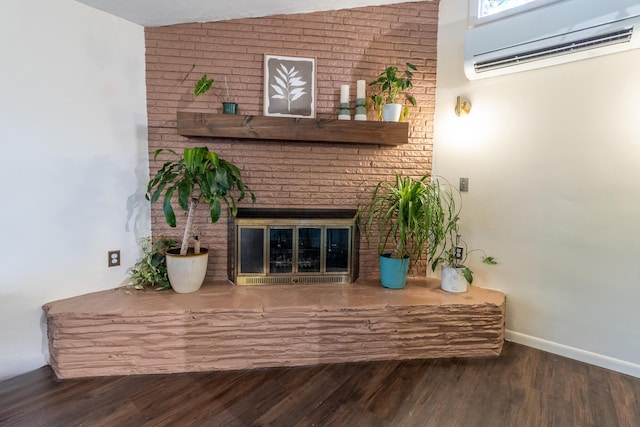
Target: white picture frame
(289,86)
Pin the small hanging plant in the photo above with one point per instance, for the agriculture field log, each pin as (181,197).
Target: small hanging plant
(205,84)
(202,86)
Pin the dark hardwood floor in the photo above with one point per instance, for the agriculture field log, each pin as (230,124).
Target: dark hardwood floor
(523,387)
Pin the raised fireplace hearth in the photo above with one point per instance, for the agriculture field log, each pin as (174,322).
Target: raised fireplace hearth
(222,327)
(293,246)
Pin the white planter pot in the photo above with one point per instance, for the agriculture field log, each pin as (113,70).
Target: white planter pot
(453,280)
(391,112)
(186,273)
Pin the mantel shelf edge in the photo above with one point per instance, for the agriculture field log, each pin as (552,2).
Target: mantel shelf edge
(291,129)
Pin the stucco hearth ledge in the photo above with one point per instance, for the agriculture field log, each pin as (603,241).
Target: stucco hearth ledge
(226,327)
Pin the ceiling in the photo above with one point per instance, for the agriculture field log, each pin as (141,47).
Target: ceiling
(152,13)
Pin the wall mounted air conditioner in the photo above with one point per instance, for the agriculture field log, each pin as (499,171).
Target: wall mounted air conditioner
(550,35)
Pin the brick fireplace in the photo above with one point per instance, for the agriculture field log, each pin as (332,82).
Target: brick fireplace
(348,45)
(230,327)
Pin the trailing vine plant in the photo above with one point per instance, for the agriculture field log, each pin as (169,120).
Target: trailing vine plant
(151,270)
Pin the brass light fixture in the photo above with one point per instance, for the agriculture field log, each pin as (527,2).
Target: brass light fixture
(463,107)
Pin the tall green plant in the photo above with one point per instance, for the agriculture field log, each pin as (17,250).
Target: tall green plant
(399,214)
(198,175)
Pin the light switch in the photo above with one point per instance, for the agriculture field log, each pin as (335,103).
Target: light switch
(464,184)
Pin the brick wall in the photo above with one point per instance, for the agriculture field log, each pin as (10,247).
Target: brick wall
(348,45)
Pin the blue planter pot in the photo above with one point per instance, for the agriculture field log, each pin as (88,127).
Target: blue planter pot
(229,108)
(393,271)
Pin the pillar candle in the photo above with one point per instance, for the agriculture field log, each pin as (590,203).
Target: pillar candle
(344,94)
(360,89)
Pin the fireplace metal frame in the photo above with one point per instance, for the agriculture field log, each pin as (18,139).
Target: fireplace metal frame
(295,219)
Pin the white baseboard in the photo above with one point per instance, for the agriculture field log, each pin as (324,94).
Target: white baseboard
(575,353)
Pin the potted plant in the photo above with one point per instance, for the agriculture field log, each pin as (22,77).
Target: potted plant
(205,84)
(399,214)
(446,247)
(199,175)
(151,269)
(393,83)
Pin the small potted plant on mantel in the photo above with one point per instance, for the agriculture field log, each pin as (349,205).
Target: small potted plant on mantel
(229,106)
(446,247)
(394,83)
(199,175)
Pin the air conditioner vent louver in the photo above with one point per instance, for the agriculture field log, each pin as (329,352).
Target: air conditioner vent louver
(602,40)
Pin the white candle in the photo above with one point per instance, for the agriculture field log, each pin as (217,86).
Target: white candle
(344,94)
(360,89)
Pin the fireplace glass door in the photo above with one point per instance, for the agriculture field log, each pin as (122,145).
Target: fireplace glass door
(280,250)
(337,250)
(293,250)
(309,248)
(252,250)
(308,256)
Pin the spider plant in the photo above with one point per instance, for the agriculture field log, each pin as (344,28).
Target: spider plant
(400,214)
(446,246)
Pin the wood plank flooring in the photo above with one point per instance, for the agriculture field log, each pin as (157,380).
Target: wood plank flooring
(522,387)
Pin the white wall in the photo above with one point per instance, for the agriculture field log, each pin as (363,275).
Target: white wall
(73,165)
(553,161)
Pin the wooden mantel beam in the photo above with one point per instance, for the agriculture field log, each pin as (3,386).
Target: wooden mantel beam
(291,129)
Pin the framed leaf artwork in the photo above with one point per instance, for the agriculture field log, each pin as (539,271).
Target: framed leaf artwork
(289,86)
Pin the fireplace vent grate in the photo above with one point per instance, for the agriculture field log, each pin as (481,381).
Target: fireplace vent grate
(292,280)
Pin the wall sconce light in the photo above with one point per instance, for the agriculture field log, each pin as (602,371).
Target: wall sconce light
(462,107)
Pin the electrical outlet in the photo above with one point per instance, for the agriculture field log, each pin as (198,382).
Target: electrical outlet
(464,184)
(114,258)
